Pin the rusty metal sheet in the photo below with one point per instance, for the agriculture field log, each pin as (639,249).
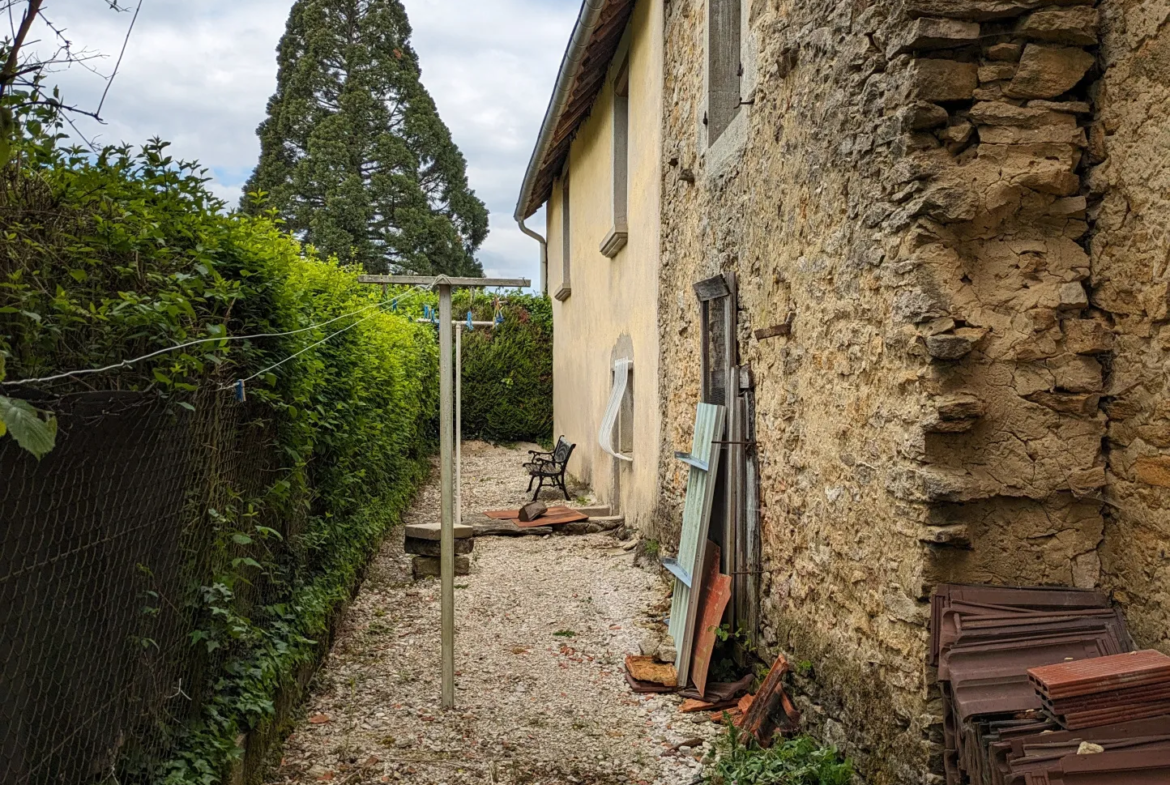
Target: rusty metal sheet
(552,517)
(716,593)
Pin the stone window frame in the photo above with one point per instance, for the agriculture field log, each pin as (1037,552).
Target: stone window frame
(618,234)
(566,288)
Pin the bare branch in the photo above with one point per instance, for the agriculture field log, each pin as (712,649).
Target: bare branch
(7,74)
(118,65)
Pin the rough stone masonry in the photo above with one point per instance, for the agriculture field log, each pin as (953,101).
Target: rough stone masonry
(960,207)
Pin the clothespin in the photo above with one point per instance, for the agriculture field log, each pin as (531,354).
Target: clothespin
(499,317)
(241,393)
(470,326)
(394,307)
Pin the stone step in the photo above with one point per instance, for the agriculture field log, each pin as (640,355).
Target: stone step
(597,511)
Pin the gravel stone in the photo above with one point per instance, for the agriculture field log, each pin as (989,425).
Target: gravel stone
(531,706)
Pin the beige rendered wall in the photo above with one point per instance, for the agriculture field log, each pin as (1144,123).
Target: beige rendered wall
(1130,251)
(613,309)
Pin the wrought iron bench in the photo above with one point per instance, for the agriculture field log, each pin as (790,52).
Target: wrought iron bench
(550,466)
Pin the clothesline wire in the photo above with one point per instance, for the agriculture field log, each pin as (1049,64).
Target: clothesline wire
(297,354)
(189,344)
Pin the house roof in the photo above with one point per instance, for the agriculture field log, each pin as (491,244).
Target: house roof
(595,40)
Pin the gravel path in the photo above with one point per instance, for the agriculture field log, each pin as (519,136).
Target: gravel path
(532,706)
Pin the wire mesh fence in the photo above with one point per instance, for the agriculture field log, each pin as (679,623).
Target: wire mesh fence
(106,546)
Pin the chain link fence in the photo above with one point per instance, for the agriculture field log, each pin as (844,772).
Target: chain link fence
(105,547)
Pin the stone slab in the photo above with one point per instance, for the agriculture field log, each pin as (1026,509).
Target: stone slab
(433,531)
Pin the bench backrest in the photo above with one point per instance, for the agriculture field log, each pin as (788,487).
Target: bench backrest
(563,450)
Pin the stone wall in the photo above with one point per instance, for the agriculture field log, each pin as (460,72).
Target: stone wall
(1131,273)
(906,193)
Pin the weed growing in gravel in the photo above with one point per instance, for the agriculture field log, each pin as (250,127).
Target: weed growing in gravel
(565,634)
(739,760)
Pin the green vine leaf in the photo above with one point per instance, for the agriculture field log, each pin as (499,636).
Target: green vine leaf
(24,423)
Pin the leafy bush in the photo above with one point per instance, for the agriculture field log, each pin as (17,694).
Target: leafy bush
(800,761)
(113,256)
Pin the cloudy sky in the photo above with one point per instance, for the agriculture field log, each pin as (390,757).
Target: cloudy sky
(199,73)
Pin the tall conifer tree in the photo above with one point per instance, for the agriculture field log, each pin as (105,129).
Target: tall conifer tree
(353,153)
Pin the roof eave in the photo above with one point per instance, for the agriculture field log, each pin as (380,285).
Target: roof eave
(570,64)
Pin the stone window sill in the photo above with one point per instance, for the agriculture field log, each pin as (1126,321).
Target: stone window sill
(563,293)
(614,242)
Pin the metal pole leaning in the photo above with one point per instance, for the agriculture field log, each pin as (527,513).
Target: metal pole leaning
(447,536)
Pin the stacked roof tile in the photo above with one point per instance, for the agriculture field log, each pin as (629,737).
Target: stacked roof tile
(1029,674)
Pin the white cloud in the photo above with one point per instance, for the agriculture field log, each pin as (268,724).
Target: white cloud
(198,73)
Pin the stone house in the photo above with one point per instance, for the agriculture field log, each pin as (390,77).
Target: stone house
(943,230)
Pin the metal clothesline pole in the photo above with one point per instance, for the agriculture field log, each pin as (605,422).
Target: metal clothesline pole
(459,327)
(447,448)
(459,424)
(447,535)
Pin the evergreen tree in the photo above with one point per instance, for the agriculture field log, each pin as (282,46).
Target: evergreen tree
(353,153)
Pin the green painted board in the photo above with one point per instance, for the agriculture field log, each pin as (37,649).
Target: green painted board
(696,521)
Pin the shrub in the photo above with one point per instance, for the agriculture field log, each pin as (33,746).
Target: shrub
(507,370)
(800,761)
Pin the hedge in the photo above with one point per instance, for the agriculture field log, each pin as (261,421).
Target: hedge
(111,256)
(507,370)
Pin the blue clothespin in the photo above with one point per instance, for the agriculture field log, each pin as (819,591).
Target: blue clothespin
(394,307)
(241,394)
(499,318)
(470,326)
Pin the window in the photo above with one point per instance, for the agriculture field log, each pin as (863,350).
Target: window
(723,66)
(566,240)
(618,235)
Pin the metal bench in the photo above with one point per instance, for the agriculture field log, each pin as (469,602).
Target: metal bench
(549,466)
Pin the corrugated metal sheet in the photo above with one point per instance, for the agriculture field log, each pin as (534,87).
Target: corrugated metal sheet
(696,518)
